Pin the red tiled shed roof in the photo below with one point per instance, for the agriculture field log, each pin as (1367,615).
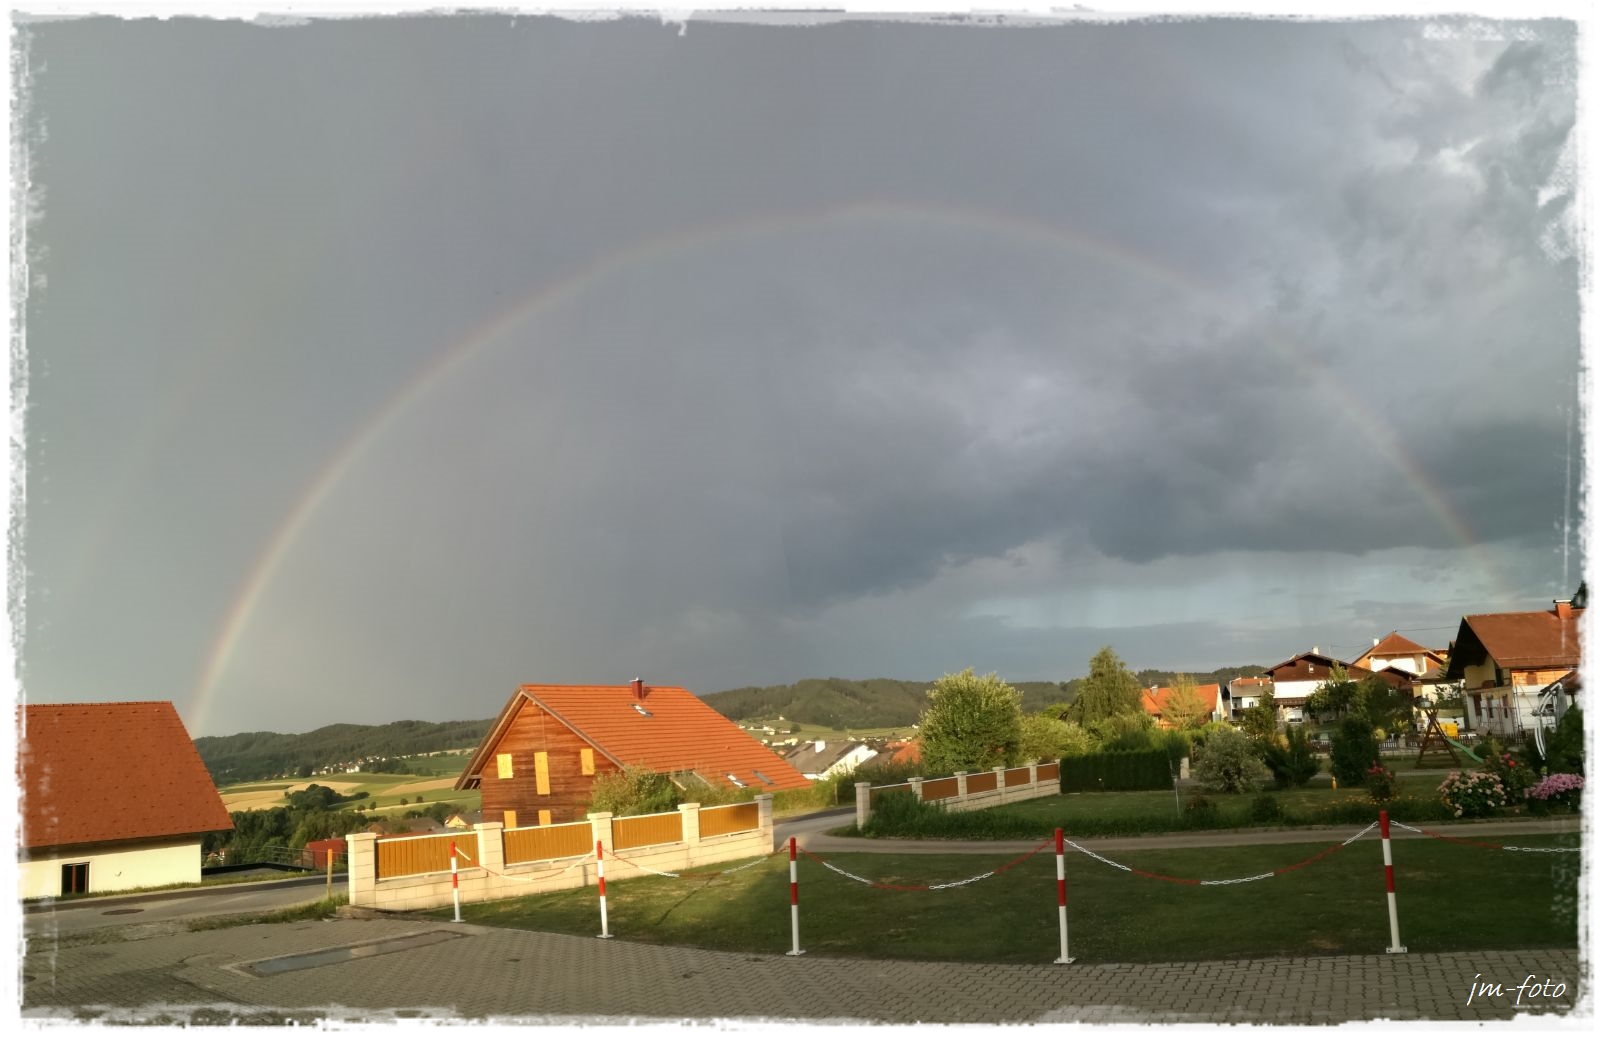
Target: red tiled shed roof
(110,772)
(680,733)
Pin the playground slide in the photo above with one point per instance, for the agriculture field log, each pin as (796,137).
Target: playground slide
(1472,755)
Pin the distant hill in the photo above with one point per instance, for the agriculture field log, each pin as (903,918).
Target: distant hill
(846,704)
(267,754)
(832,702)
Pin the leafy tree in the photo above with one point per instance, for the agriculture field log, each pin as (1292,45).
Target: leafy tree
(1334,696)
(1109,690)
(1354,751)
(1186,707)
(1124,731)
(1048,738)
(971,723)
(633,790)
(1380,705)
(1226,762)
(1260,721)
(1290,758)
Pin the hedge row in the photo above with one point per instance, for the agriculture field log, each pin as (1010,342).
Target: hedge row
(1116,771)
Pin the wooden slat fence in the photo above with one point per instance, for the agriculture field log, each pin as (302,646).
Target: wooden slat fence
(938,788)
(420,855)
(740,817)
(548,843)
(1017,776)
(646,830)
(1048,771)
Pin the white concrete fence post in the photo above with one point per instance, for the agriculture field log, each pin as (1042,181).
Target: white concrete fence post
(362,881)
(690,823)
(1000,783)
(961,790)
(916,788)
(764,814)
(863,803)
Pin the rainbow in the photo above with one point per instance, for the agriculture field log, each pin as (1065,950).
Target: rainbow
(481,338)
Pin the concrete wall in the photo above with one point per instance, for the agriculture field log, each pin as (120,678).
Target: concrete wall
(112,868)
(491,879)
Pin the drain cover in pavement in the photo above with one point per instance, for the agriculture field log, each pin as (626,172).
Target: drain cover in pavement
(335,955)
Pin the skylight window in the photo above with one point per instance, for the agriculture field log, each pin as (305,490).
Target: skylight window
(764,778)
(641,710)
(737,783)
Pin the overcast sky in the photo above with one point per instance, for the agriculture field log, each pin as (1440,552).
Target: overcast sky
(374,367)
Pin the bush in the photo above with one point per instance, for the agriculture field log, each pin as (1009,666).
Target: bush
(633,790)
(1516,777)
(1291,761)
(1227,762)
(1474,794)
(1200,812)
(1354,752)
(1561,789)
(1380,784)
(1265,808)
(1563,747)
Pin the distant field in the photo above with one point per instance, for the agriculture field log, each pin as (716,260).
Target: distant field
(383,790)
(812,732)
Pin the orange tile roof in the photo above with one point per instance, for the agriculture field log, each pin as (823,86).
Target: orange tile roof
(681,733)
(112,771)
(1395,644)
(1156,700)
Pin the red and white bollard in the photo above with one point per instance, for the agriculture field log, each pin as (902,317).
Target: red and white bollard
(1061,895)
(794,902)
(455,880)
(1388,878)
(600,873)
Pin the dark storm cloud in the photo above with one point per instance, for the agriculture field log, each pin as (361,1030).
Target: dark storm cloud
(843,330)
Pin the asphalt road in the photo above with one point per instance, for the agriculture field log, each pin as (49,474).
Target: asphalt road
(175,905)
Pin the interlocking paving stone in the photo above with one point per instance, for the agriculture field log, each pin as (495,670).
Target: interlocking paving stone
(167,975)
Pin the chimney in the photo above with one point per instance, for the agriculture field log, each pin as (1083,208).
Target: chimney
(1563,608)
(1316,649)
(820,744)
(1374,642)
(638,689)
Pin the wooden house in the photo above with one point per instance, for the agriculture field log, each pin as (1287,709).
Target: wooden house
(538,763)
(1506,659)
(114,797)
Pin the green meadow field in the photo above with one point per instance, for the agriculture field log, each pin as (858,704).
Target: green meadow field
(384,791)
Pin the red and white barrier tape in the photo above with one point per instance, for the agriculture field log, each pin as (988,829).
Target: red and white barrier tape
(1218,882)
(1488,846)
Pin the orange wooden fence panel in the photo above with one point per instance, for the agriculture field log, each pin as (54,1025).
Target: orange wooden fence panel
(939,788)
(1016,776)
(549,842)
(1050,771)
(873,794)
(740,817)
(424,854)
(646,830)
(983,782)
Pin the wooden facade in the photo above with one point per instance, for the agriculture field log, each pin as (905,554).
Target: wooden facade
(547,783)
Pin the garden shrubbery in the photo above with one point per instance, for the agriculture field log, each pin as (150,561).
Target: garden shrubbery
(1117,771)
(1354,751)
(1290,760)
(1226,762)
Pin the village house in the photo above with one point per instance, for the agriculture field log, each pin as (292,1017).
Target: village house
(114,797)
(539,761)
(1241,694)
(1506,659)
(1157,703)
(818,759)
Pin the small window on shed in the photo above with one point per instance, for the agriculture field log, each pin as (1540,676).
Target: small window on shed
(586,757)
(503,761)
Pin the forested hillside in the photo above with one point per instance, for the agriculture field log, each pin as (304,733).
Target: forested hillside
(827,702)
(839,703)
(266,754)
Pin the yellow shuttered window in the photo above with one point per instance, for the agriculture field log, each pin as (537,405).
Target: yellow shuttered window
(586,756)
(503,761)
(541,773)
(544,817)
(511,819)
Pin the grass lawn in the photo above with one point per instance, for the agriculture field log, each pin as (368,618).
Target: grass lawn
(1451,898)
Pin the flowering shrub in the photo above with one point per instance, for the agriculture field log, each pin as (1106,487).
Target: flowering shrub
(1565,789)
(1477,794)
(1516,777)
(1380,783)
